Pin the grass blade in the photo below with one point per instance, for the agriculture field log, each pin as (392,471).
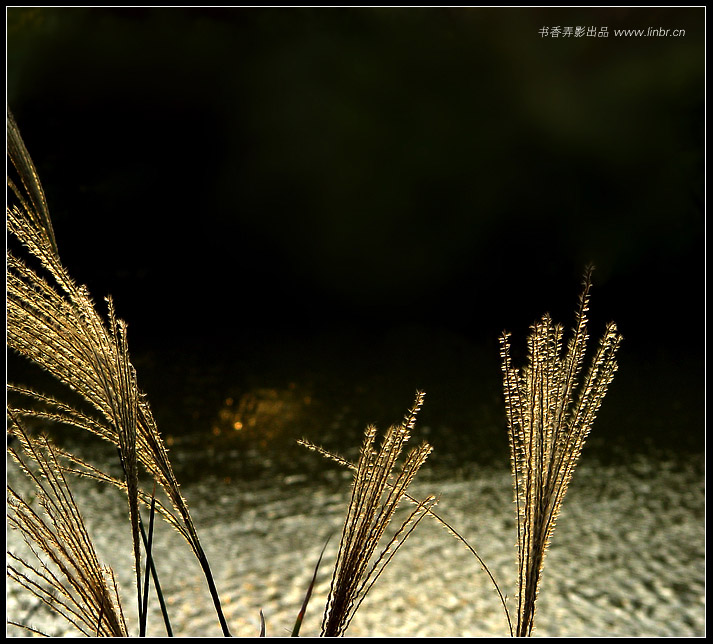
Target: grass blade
(308,594)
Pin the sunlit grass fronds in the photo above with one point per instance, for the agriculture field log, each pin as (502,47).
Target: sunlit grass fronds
(31,196)
(69,577)
(62,332)
(428,510)
(74,465)
(53,322)
(550,412)
(378,487)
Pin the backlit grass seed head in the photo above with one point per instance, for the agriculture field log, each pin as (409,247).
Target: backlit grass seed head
(550,411)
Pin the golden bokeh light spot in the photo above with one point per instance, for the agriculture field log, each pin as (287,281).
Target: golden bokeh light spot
(263,413)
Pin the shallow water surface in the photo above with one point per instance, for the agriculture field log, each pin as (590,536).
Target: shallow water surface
(627,557)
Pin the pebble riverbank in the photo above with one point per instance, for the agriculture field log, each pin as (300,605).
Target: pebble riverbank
(627,557)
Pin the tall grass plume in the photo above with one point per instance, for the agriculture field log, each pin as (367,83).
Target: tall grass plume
(378,487)
(53,322)
(550,410)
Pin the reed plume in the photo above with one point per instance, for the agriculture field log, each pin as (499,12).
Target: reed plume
(422,507)
(549,415)
(84,592)
(378,487)
(54,323)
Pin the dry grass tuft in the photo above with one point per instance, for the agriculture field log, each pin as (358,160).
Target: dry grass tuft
(378,487)
(550,412)
(53,322)
(84,592)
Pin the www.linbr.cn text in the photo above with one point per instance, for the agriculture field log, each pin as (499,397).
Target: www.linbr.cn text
(603,32)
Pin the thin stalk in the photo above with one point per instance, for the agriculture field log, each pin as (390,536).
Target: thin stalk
(99,621)
(203,560)
(149,559)
(139,600)
(157,585)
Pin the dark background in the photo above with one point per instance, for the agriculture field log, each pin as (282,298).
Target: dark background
(244,181)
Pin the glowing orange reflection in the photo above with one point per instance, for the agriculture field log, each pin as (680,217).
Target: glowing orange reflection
(263,413)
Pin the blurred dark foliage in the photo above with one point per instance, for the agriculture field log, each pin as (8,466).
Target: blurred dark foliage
(244,175)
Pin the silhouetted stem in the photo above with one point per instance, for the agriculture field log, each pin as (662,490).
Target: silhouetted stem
(157,585)
(148,545)
(212,589)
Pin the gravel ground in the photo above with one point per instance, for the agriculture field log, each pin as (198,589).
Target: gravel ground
(627,557)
